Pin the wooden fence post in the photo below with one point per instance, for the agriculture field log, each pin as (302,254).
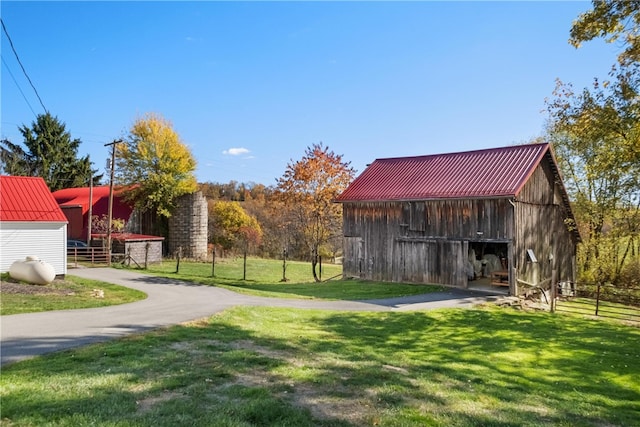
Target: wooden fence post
(213,261)
(284,265)
(244,265)
(554,291)
(146,255)
(178,256)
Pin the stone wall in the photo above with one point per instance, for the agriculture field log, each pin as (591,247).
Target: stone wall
(188,227)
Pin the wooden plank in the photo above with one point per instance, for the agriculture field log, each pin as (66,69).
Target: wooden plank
(500,278)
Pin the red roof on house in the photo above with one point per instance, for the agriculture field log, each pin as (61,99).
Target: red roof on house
(497,172)
(24,198)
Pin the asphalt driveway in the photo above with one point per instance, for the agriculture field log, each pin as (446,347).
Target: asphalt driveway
(171,302)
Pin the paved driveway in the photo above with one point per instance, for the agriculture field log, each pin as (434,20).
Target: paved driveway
(170,302)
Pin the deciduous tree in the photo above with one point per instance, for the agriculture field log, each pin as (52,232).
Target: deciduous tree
(614,20)
(230,226)
(155,165)
(308,188)
(597,139)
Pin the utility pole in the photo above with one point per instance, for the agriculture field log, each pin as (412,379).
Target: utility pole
(90,208)
(110,211)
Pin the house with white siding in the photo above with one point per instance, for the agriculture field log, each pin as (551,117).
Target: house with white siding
(31,223)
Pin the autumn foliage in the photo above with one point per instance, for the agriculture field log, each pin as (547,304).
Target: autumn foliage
(155,163)
(307,191)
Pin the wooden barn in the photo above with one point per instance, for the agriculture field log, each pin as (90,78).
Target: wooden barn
(500,215)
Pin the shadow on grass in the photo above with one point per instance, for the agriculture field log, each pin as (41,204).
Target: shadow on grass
(266,366)
(348,290)
(541,367)
(182,376)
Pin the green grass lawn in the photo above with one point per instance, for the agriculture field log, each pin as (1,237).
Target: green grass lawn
(264,279)
(282,367)
(606,309)
(70,293)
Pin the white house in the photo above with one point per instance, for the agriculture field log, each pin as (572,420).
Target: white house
(31,223)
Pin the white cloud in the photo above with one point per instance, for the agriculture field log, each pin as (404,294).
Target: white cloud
(235,151)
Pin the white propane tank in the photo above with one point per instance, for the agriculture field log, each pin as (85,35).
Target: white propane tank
(33,270)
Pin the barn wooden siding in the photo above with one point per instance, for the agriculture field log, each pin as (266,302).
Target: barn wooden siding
(540,223)
(420,241)
(428,241)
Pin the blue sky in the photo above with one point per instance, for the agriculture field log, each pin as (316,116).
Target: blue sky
(249,85)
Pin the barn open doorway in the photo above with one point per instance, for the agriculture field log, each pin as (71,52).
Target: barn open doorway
(488,266)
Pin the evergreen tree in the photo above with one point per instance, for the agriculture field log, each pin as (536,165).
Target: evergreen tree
(49,152)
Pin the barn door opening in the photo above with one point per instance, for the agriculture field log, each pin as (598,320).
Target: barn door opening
(488,266)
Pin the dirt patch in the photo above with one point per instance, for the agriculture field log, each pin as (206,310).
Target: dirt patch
(320,400)
(147,404)
(55,288)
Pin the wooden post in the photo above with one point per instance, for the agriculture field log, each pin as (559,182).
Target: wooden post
(320,267)
(554,290)
(244,265)
(89,225)
(284,265)
(598,299)
(178,256)
(146,255)
(213,262)
(110,206)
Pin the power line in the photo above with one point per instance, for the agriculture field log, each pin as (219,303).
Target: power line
(22,66)
(18,86)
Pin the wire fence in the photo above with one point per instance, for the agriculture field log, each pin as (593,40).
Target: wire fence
(601,300)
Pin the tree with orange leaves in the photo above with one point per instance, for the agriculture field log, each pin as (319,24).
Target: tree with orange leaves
(308,189)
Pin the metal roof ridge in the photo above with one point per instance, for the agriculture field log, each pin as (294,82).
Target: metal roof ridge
(458,153)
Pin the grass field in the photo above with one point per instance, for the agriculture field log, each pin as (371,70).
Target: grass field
(264,279)
(283,367)
(606,309)
(258,366)
(70,293)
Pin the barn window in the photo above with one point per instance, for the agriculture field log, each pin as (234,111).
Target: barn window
(413,216)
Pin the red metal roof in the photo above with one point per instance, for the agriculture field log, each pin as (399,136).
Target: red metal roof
(99,196)
(25,198)
(497,172)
